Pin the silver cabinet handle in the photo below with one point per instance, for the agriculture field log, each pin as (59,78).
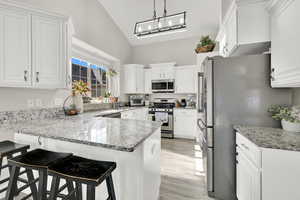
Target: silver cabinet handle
(37,79)
(25,75)
(272,74)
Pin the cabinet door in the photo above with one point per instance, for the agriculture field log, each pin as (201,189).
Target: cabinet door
(168,73)
(185,123)
(15,48)
(285,58)
(156,73)
(140,80)
(129,86)
(248,179)
(148,79)
(49,56)
(185,80)
(231,33)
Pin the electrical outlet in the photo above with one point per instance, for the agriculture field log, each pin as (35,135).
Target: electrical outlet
(38,102)
(30,103)
(58,102)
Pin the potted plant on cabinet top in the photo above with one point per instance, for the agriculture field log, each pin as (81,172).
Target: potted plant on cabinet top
(206,44)
(289,116)
(79,90)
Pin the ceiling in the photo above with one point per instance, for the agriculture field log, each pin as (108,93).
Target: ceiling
(202,17)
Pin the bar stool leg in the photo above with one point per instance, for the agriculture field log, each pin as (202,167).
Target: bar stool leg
(12,186)
(42,189)
(71,189)
(78,191)
(90,195)
(54,187)
(110,188)
(32,186)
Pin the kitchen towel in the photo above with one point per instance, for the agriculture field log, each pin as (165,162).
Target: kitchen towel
(161,117)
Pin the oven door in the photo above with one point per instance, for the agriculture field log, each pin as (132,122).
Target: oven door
(168,126)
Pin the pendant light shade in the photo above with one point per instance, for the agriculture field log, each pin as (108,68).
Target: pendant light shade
(158,25)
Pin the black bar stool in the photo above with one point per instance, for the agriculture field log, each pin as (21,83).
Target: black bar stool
(39,160)
(7,150)
(82,171)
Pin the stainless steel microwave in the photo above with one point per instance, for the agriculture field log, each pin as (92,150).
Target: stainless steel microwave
(163,86)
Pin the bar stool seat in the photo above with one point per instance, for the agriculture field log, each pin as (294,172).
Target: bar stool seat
(39,160)
(83,171)
(8,148)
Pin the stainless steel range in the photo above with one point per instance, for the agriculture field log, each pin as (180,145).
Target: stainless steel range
(162,111)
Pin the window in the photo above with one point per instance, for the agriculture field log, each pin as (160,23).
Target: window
(92,74)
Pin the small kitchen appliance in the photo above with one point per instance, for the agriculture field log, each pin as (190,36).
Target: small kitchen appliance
(137,100)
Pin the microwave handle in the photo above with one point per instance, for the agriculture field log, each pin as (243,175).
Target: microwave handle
(200,92)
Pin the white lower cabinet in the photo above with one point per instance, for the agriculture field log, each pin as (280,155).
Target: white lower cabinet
(265,173)
(185,123)
(248,178)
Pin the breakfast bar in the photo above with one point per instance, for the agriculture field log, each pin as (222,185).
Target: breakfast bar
(134,145)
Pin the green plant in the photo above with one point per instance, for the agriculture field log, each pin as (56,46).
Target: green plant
(205,41)
(80,87)
(112,72)
(287,113)
(107,95)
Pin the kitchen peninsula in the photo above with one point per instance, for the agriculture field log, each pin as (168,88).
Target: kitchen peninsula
(133,144)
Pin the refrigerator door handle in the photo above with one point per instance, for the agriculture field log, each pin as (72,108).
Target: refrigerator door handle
(200,92)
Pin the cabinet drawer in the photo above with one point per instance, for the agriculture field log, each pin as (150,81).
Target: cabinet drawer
(249,149)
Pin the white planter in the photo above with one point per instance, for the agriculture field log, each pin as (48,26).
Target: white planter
(291,127)
(78,102)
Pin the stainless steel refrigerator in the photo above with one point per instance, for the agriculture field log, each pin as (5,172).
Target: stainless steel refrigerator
(232,91)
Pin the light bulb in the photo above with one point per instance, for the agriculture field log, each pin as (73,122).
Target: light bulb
(159,25)
(181,20)
(170,23)
(149,27)
(140,29)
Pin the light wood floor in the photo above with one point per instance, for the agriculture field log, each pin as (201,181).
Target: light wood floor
(182,171)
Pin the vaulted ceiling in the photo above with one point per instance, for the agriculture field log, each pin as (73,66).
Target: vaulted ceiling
(202,17)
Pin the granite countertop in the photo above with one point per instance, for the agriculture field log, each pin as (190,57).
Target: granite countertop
(117,134)
(273,138)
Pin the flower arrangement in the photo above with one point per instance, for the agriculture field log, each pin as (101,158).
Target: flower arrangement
(287,113)
(80,87)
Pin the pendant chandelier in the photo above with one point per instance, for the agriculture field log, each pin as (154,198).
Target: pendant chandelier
(160,25)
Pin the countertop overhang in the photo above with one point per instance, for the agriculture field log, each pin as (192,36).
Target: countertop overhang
(117,134)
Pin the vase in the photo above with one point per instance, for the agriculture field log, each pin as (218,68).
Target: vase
(290,126)
(78,102)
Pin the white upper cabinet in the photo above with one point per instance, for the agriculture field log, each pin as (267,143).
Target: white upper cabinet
(15,48)
(34,50)
(148,81)
(245,29)
(285,31)
(48,52)
(185,79)
(163,71)
(133,79)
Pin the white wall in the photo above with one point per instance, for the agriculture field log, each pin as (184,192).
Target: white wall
(181,51)
(92,25)
(296,96)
